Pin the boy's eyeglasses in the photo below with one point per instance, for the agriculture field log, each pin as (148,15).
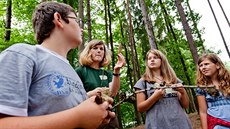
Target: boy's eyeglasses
(78,20)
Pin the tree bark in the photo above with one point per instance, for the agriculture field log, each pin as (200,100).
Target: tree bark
(106,22)
(222,9)
(148,25)
(110,33)
(225,44)
(137,114)
(81,15)
(172,33)
(194,20)
(8,21)
(89,21)
(187,30)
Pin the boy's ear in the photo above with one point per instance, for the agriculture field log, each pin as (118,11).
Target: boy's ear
(57,19)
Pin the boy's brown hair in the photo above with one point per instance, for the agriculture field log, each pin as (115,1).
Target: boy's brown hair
(43,17)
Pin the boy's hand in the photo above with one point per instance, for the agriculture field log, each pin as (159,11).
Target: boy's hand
(95,114)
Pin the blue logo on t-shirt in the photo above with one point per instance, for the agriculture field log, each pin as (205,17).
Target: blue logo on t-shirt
(59,82)
(58,85)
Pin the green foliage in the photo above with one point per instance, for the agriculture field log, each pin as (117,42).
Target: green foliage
(23,9)
(21,28)
(128,115)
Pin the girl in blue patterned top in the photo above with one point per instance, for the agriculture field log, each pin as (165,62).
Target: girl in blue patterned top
(214,105)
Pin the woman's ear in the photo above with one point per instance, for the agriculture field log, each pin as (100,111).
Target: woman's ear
(57,19)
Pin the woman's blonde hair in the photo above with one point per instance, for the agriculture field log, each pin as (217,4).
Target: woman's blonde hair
(223,75)
(167,72)
(85,58)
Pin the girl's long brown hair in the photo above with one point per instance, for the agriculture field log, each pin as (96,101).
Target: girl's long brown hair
(167,72)
(223,75)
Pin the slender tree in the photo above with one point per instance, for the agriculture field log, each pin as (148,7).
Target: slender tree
(131,40)
(148,25)
(129,71)
(217,23)
(81,16)
(8,20)
(228,25)
(194,20)
(172,33)
(106,22)
(187,30)
(223,12)
(89,21)
(110,33)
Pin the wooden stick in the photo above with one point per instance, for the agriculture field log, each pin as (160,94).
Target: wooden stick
(121,101)
(164,87)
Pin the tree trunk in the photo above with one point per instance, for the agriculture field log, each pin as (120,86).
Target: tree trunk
(138,115)
(223,12)
(187,30)
(148,25)
(106,22)
(225,44)
(89,21)
(172,33)
(8,20)
(129,73)
(138,71)
(81,15)
(194,20)
(110,33)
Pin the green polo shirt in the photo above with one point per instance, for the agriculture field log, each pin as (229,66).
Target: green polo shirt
(93,78)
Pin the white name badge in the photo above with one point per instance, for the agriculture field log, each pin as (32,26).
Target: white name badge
(103,77)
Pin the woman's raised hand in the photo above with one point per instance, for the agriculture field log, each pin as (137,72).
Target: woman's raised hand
(120,62)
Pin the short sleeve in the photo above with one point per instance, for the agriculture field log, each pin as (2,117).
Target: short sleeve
(200,91)
(15,80)
(179,81)
(139,84)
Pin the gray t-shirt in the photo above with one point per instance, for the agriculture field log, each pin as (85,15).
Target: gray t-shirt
(35,81)
(167,112)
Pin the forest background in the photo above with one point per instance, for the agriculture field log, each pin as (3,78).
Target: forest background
(136,25)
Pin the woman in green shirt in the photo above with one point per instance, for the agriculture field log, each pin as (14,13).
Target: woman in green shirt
(93,58)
